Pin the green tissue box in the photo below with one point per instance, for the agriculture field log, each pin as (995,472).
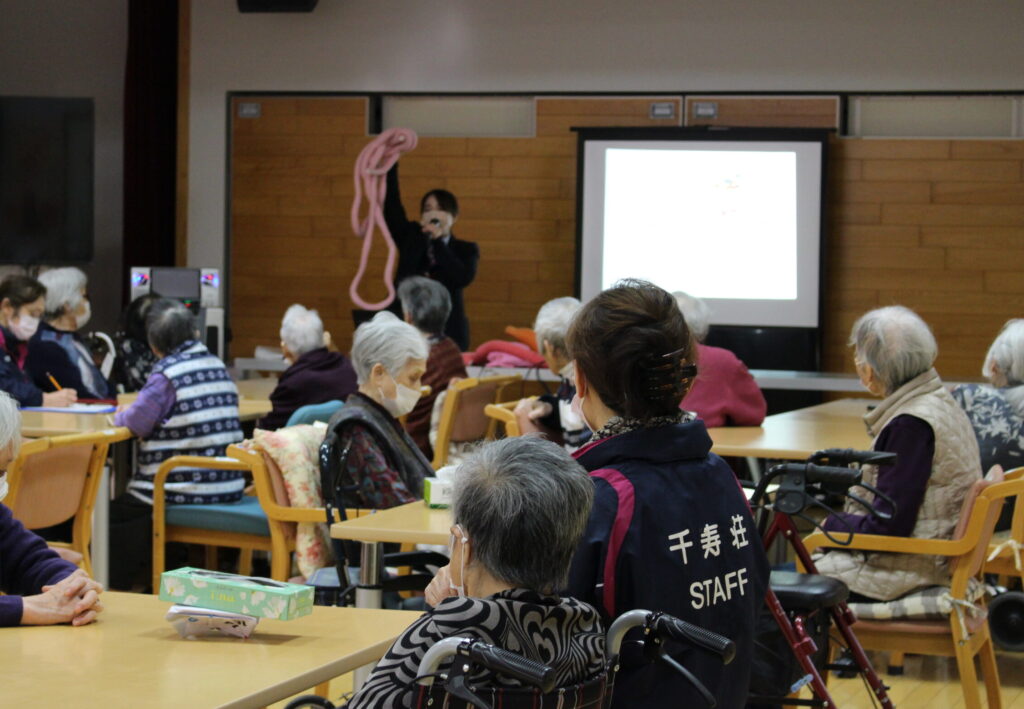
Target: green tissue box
(437,492)
(263,598)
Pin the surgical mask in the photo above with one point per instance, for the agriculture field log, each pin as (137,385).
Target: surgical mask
(459,589)
(577,408)
(4,487)
(24,327)
(81,320)
(404,401)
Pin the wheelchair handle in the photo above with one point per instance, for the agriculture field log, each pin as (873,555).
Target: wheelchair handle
(480,653)
(683,632)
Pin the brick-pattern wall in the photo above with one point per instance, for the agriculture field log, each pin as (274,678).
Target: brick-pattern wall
(937,225)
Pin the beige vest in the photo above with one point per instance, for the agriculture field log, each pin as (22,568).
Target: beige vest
(955,466)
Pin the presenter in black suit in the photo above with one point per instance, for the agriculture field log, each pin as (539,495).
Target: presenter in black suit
(428,248)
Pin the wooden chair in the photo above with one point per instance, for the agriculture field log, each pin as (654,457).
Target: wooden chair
(503,413)
(1007,547)
(265,522)
(963,635)
(55,479)
(462,415)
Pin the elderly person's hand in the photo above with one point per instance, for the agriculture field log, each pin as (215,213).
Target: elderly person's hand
(75,600)
(61,398)
(440,587)
(528,412)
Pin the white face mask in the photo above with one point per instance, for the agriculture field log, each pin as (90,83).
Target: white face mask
(459,589)
(4,487)
(24,326)
(81,320)
(404,401)
(577,408)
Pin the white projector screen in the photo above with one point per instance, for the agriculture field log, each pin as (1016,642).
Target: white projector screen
(735,222)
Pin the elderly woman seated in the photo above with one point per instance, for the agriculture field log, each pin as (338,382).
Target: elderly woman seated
(937,457)
(135,358)
(57,356)
(997,411)
(315,374)
(520,506)
(426,305)
(40,587)
(553,414)
(724,392)
(375,453)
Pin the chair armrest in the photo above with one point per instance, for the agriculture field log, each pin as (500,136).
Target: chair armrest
(880,542)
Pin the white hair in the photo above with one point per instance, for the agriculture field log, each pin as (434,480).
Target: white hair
(552,323)
(302,330)
(695,312)
(388,341)
(10,424)
(63,288)
(896,343)
(1007,351)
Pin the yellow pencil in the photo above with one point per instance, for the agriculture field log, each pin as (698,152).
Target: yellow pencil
(54,381)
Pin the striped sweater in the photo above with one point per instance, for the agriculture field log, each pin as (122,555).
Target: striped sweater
(203,421)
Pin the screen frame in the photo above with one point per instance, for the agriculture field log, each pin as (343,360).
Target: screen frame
(706,133)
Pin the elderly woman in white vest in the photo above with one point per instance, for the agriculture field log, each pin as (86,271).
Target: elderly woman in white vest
(189,406)
(937,457)
(380,460)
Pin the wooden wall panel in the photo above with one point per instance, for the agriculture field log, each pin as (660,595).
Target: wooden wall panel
(763,111)
(937,225)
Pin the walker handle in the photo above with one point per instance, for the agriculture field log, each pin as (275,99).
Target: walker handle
(679,630)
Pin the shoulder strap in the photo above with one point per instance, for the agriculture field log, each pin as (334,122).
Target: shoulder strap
(626,497)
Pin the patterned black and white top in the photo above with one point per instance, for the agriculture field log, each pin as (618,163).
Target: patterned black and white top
(561,632)
(998,422)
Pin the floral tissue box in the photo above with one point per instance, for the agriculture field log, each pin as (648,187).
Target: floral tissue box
(251,595)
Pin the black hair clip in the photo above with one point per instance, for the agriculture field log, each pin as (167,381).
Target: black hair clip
(668,378)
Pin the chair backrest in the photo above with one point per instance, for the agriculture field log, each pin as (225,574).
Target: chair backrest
(1017,525)
(978,517)
(108,359)
(463,417)
(504,414)
(311,413)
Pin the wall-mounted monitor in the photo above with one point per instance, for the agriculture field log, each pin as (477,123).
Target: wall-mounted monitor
(731,216)
(46,180)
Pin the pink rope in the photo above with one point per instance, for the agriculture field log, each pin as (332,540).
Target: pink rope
(371,170)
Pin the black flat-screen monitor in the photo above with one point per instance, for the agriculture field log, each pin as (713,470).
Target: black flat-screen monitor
(46,180)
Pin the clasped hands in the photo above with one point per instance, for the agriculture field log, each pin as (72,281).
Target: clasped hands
(74,599)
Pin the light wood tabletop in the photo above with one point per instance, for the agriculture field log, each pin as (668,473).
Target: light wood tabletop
(412,523)
(248,409)
(37,424)
(259,388)
(133,657)
(795,435)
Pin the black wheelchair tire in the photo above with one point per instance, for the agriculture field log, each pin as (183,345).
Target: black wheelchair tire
(1006,621)
(309,701)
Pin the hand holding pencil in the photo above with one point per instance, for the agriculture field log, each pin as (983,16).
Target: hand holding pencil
(60,398)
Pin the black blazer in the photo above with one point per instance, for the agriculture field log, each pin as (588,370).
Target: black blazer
(452,264)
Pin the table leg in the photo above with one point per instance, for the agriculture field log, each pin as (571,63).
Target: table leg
(99,550)
(369,593)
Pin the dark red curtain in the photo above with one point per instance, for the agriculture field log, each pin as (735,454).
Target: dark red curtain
(150,132)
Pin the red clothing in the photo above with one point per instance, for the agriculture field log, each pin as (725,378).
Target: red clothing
(724,393)
(443,363)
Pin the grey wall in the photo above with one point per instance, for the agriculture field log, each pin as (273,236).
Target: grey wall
(77,49)
(580,45)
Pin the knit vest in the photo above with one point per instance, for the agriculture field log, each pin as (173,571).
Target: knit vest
(955,468)
(203,422)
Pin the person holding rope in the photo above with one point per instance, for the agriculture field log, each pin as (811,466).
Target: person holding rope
(428,248)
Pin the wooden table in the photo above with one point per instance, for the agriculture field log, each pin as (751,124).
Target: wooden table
(259,388)
(795,435)
(133,657)
(248,409)
(37,424)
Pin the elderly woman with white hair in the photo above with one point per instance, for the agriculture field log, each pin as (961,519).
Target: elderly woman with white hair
(937,457)
(723,393)
(552,414)
(377,456)
(57,357)
(315,373)
(40,588)
(520,506)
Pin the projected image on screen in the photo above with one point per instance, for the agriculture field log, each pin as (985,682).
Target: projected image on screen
(668,214)
(735,221)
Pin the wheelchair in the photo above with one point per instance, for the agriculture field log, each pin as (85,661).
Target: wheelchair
(466,656)
(800,601)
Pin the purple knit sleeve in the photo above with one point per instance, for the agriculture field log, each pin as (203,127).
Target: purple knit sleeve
(26,565)
(913,442)
(153,405)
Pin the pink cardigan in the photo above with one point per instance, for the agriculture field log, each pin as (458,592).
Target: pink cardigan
(725,393)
